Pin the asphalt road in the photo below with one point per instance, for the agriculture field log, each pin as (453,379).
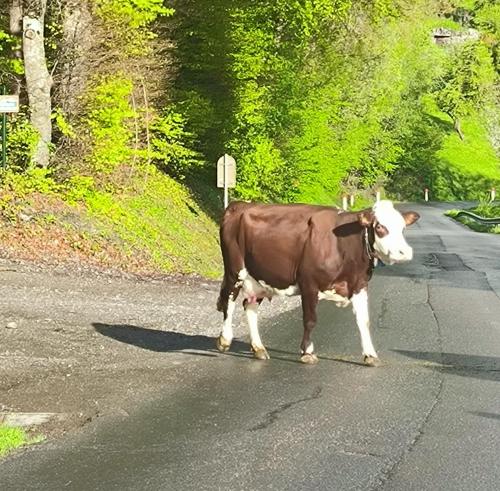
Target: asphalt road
(427,419)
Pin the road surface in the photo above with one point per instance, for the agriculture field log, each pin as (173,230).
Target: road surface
(427,419)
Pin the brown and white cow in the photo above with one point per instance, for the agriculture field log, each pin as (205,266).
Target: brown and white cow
(316,252)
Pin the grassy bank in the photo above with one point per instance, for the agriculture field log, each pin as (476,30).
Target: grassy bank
(484,210)
(151,225)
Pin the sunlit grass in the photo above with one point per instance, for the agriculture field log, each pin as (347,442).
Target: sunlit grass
(484,210)
(11,438)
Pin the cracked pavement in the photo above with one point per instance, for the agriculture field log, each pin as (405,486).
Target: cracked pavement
(426,419)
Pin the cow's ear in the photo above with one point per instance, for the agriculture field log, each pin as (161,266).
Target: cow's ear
(410,217)
(366,218)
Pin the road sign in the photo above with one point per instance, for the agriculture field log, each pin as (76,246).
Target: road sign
(226,175)
(226,171)
(9,103)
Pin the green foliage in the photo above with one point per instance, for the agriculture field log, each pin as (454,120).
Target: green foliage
(171,145)
(9,66)
(484,210)
(34,180)
(110,119)
(78,188)
(62,123)
(22,139)
(467,82)
(487,210)
(128,22)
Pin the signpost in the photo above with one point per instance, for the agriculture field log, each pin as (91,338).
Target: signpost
(226,175)
(8,104)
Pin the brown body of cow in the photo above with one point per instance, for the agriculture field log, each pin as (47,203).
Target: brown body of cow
(313,251)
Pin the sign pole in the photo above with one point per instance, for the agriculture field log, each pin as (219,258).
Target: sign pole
(226,188)
(4,135)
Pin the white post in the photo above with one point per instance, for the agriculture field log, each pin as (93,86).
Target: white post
(344,202)
(226,189)
(351,200)
(378,196)
(426,194)
(493,194)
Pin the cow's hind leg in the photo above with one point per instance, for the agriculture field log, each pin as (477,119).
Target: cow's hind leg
(226,303)
(251,311)
(309,304)
(360,308)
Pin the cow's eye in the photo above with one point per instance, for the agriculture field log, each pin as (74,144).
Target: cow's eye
(380,230)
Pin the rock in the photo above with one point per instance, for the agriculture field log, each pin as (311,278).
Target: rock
(24,217)
(11,325)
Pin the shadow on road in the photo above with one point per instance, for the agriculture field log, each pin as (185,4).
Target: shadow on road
(473,366)
(169,341)
(486,415)
(163,341)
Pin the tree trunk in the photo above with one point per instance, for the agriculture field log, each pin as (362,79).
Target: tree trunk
(16,29)
(16,17)
(458,128)
(456,124)
(38,81)
(76,44)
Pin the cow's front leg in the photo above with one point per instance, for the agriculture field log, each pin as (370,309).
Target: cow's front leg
(360,308)
(251,310)
(309,304)
(225,339)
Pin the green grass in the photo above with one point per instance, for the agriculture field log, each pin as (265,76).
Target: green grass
(460,169)
(12,438)
(473,155)
(484,210)
(161,219)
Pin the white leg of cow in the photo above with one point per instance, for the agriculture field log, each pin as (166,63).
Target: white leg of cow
(226,336)
(360,308)
(260,352)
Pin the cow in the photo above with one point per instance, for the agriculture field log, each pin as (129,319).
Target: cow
(317,252)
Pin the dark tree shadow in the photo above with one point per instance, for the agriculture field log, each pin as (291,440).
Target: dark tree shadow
(472,366)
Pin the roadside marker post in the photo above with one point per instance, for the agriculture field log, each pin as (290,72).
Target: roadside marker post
(8,104)
(426,194)
(378,196)
(226,175)
(351,200)
(344,202)
(493,194)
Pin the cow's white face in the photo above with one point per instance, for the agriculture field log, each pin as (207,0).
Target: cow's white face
(388,225)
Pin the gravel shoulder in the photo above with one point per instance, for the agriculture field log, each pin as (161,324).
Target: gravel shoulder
(81,345)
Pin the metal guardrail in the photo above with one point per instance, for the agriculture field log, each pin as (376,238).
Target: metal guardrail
(477,218)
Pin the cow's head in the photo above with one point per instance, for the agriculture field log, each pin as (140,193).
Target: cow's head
(388,225)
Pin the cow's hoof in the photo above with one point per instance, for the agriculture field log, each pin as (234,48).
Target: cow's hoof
(260,353)
(222,344)
(371,361)
(309,358)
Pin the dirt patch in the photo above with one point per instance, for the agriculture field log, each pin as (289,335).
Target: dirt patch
(83,344)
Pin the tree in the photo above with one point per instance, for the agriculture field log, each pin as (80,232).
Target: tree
(465,83)
(38,78)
